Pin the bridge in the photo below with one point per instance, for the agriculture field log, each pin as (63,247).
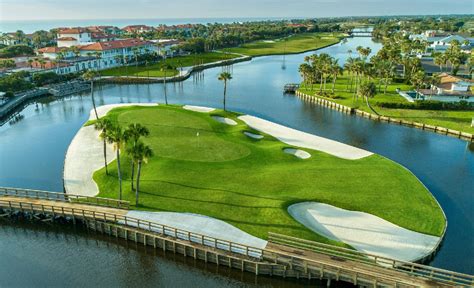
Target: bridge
(284,256)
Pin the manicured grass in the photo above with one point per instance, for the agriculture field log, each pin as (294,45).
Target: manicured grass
(293,44)
(457,120)
(155,70)
(250,183)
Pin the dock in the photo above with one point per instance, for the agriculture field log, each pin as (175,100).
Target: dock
(291,88)
(284,256)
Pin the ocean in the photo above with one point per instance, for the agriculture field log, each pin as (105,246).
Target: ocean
(30,26)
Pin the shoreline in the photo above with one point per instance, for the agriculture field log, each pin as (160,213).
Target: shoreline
(354,111)
(96,160)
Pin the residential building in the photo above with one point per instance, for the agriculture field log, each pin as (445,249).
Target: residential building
(450,88)
(138,29)
(98,55)
(68,37)
(166,47)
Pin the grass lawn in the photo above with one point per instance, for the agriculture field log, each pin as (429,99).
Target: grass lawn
(457,120)
(155,70)
(250,183)
(294,44)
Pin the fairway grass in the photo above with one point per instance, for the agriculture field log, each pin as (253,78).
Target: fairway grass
(290,45)
(206,167)
(156,69)
(457,120)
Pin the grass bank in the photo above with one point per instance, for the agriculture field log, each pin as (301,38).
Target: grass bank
(157,69)
(457,120)
(250,183)
(294,44)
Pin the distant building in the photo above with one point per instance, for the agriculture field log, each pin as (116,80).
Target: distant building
(111,54)
(449,87)
(166,47)
(68,37)
(9,39)
(440,41)
(138,29)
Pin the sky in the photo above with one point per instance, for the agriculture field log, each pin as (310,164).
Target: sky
(146,9)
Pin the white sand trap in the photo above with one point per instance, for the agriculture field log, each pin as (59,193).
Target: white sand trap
(103,110)
(363,231)
(254,136)
(305,140)
(198,108)
(204,225)
(268,41)
(85,155)
(297,153)
(224,120)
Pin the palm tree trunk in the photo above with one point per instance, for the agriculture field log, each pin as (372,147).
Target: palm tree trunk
(133,172)
(105,156)
(119,174)
(225,92)
(138,182)
(370,107)
(93,100)
(333,83)
(321,85)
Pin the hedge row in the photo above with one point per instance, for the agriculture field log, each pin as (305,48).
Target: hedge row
(429,105)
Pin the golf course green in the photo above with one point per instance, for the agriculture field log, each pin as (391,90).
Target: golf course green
(207,167)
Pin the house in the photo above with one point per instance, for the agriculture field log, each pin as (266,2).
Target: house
(449,88)
(68,37)
(98,55)
(166,47)
(102,37)
(441,45)
(138,29)
(111,30)
(9,39)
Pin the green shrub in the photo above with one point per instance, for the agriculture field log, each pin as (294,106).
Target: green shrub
(429,105)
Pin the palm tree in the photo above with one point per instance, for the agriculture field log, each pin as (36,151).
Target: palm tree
(368,90)
(115,136)
(225,76)
(104,125)
(90,75)
(139,153)
(30,63)
(133,134)
(335,70)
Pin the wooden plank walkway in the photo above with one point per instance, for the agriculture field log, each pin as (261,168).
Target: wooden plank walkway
(276,259)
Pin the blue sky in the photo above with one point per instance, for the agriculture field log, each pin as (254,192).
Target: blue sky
(114,9)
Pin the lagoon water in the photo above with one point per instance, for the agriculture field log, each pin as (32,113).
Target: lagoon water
(32,153)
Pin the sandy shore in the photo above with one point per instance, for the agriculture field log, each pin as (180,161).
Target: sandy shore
(365,232)
(305,140)
(85,155)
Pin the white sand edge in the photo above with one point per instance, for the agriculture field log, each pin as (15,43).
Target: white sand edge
(224,120)
(201,224)
(85,155)
(363,231)
(254,136)
(297,153)
(305,140)
(198,108)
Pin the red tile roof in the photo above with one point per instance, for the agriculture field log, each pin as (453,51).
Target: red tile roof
(115,44)
(100,35)
(76,30)
(67,39)
(52,49)
(132,28)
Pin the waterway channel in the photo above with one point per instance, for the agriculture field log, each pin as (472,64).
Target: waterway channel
(32,153)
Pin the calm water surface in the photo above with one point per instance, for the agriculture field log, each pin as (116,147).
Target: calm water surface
(32,154)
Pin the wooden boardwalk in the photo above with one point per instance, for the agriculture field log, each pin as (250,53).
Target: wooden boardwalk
(284,256)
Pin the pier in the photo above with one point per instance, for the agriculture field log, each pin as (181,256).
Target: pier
(284,256)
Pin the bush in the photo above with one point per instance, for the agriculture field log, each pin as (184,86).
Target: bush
(16,50)
(15,82)
(429,105)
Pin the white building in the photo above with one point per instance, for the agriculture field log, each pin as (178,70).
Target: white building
(68,37)
(111,54)
(165,47)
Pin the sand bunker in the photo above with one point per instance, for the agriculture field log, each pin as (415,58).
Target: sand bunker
(204,225)
(198,108)
(224,120)
(363,231)
(305,140)
(297,153)
(254,136)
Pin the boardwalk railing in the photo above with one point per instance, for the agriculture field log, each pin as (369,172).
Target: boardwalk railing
(59,196)
(341,253)
(136,223)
